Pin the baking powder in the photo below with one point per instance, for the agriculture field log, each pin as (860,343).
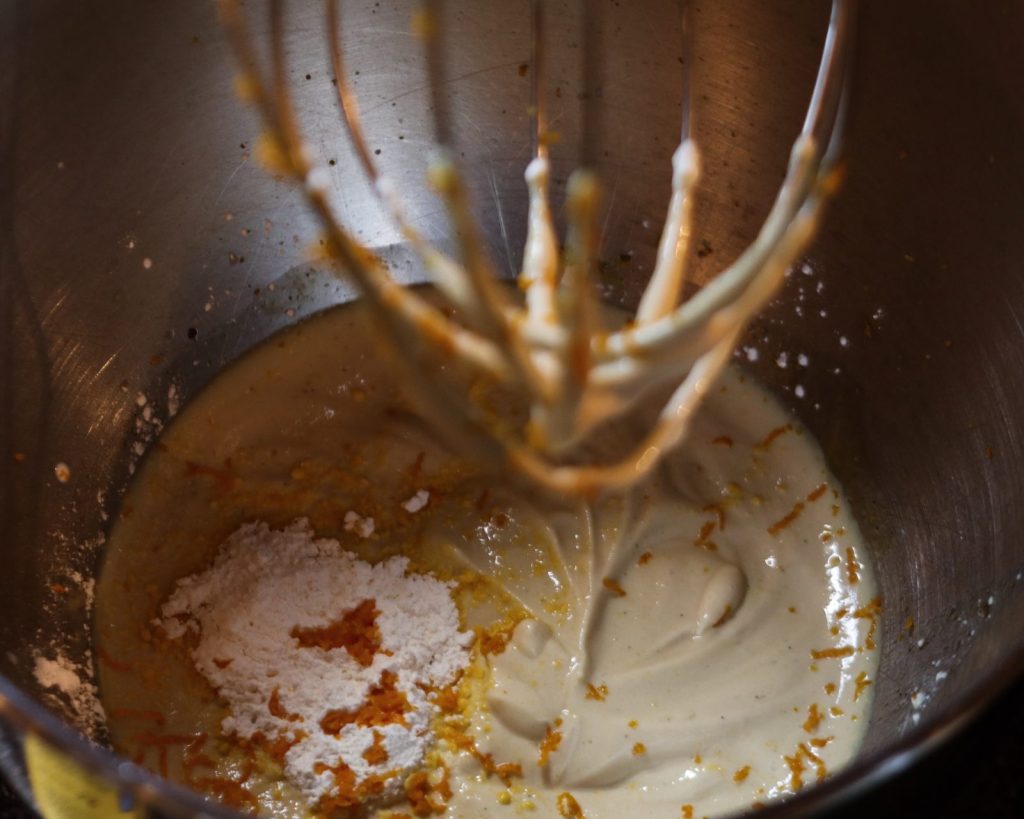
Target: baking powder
(266,614)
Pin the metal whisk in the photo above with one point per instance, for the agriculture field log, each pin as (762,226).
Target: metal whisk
(573,374)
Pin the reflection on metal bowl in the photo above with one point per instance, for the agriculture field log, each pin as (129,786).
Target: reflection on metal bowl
(141,250)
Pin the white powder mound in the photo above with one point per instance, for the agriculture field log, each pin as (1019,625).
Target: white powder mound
(265,583)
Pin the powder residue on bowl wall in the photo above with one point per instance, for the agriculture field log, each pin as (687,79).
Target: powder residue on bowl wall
(69,685)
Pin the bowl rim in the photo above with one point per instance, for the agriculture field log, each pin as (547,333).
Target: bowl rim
(144,789)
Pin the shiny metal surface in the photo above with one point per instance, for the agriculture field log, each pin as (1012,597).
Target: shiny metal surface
(121,142)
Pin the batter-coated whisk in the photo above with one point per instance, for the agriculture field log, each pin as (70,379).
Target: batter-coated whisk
(573,374)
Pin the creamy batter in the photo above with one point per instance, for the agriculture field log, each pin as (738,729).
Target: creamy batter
(699,644)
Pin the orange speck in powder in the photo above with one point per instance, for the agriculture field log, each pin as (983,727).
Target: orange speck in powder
(741,774)
(598,693)
(722,440)
(425,797)
(644,559)
(447,699)
(639,749)
(384,705)
(687,811)
(346,793)
(278,710)
(356,631)
(376,754)
(278,747)
(613,586)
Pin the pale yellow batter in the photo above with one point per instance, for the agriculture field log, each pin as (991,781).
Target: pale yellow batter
(696,645)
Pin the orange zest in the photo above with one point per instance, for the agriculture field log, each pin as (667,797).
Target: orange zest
(613,586)
(355,631)
(384,705)
(552,739)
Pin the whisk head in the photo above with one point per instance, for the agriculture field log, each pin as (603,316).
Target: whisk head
(551,348)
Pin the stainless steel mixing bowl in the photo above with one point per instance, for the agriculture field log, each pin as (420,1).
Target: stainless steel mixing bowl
(141,248)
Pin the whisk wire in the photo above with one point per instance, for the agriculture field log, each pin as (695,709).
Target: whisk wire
(573,375)
(592,14)
(447,275)
(540,272)
(431,31)
(686,52)
(408,315)
(538,101)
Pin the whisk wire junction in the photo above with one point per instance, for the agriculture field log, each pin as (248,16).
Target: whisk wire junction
(574,374)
